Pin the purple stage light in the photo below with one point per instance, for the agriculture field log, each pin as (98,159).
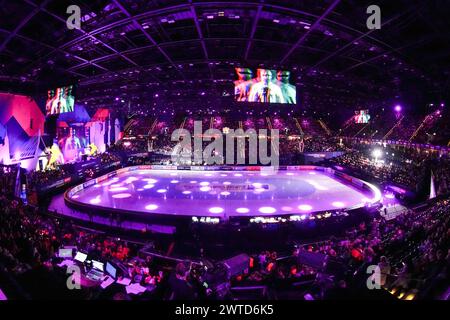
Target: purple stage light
(149,186)
(305,207)
(286,208)
(204,183)
(186,192)
(151,207)
(225,193)
(205,189)
(267,210)
(117,189)
(226,183)
(95,200)
(216,210)
(338,204)
(121,195)
(242,210)
(161,190)
(398,108)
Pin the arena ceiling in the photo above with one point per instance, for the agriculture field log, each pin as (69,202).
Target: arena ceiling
(129,52)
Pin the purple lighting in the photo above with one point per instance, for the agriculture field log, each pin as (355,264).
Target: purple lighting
(250,194)
(267,210)
(95,201)
(151,207)
(305,207)
(338,204)
(150,181)
(117,189)
(216,210)
(121,195)
(398,108)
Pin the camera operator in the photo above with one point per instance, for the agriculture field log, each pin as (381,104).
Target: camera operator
(179,286)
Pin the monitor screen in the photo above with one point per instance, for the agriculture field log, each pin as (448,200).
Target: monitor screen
(111,270)
(98,265)
(264,85)
(80,256)
(72,142)
(60,100)
(65,253)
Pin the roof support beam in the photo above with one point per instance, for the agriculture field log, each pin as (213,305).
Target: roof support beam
(252,32)
(334,53)
(200,36)
(311,29)
(148,36)
(22,23)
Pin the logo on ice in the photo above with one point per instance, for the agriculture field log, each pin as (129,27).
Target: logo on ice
(235,146)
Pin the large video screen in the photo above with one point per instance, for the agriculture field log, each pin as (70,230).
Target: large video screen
(362,116)
(264,85)
(72,142)
(60,100)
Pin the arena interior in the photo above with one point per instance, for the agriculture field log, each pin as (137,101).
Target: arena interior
(224,150)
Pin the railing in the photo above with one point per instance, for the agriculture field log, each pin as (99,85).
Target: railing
(393,128)
(299,126)
(324,127)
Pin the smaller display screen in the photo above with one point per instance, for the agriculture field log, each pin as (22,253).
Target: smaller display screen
(362,116)
(60,100)
(111,270)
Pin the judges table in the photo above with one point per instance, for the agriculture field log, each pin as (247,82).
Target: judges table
(130,286)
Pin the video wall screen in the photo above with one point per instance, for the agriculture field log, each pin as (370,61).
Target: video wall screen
(264,85)
(72,142)
(362,116)
(60,100)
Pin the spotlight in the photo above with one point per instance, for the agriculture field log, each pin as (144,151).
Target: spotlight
(377,153)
